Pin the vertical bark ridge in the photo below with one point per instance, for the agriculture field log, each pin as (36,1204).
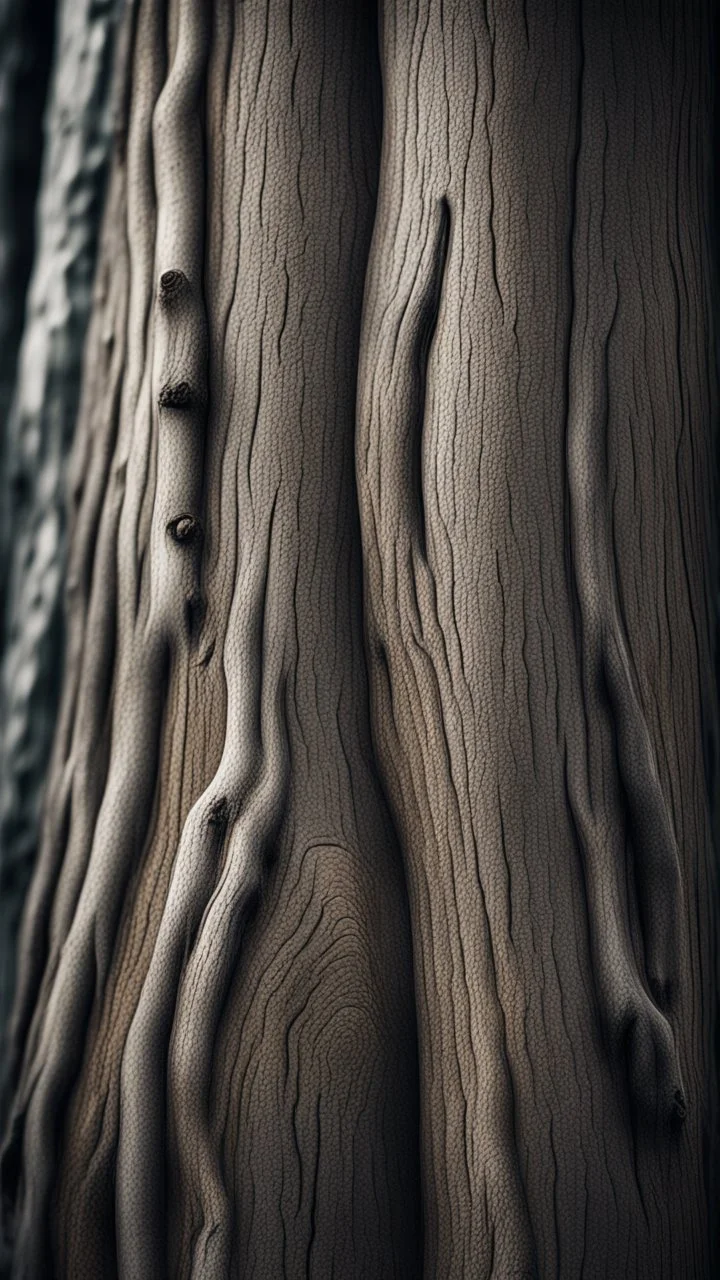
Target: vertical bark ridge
(480,690)
(75,745)
(77,143)
(76,976)
(180,335)
(476,1214)
(180,393)
(615,735)
(248,780)
(415,659)
(76,772)
(204,990)
(311,1091)
(344,1000)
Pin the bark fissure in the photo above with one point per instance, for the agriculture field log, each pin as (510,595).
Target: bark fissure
(425,319)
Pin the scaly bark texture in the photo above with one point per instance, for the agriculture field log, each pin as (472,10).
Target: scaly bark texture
(215,1063)
(536,391)
(41,417)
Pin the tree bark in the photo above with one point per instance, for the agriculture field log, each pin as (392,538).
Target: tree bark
(43,400)
(214,734)
(25,47)
(536,389)
(373,930)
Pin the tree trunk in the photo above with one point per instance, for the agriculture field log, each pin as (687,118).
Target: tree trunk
(226,661)
(266,1024)
(534,454)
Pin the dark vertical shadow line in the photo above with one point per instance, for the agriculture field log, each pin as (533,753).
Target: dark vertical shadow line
(427,324)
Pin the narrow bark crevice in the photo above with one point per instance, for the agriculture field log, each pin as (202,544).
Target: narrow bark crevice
(425,322)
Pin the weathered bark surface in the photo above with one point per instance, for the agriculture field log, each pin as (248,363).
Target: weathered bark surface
(39,430)
(25,45)
(534,453)
(203,1091)
(216,1045)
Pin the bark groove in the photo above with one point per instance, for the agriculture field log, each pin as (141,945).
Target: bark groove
(539,650)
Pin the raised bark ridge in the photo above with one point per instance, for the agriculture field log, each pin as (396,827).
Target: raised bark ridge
(214,788)
(218,1046)
(80,125)
(521,635)
(614,735)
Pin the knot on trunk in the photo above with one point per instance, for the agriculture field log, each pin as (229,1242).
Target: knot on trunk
(172,284)
(184,529)
(176,395)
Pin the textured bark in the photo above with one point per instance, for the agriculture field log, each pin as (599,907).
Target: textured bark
(25,45)
(243,1087)
(41,420)
(536,391)
(255,1033)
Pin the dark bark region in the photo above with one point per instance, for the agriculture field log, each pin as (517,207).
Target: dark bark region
(540,651)
(78,130)
(26,43)
(25,46)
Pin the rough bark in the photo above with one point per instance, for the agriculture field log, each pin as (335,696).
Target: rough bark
(536,390)
(42,414)
(25,46)
(246,1041)
(205,1089)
